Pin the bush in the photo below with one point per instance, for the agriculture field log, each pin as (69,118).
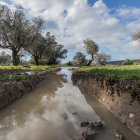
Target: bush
(128,62)
(69,63)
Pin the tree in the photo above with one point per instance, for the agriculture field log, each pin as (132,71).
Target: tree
(14,31)
(92,49)
(17,32)
(102,58)
(79,59)
(54,52)
(37,48)
(128,62)
(4,58)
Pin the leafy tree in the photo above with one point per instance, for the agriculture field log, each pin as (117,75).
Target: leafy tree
(102,58)
(17,32)
(37,48)
(79,59)
(14,31)
(128,62)
(92,49)
(4,58)
(69,63)
(54,52)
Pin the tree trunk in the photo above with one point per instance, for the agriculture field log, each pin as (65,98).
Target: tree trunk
(54,61)
(90,61)
(36,60)
(14,57)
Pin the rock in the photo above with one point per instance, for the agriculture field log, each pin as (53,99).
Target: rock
(75,113)
(118,135)
(96,125)
(87,135)
(83,124)
(91,131)
(131,115)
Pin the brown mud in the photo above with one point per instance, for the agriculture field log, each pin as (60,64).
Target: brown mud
(10,91)
(120,97)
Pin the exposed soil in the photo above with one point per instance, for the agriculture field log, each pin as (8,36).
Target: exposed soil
(13,71)
(121,97)
(10,91)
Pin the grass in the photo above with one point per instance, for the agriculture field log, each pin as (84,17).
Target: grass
(13,78)
(120,72)
(32,67)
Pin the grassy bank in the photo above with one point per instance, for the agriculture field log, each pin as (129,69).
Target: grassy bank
(32,67)
(120,72)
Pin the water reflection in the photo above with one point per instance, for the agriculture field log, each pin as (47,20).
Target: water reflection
(51,112)
(18,112)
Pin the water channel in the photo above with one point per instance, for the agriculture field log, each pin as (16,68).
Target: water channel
(54,111)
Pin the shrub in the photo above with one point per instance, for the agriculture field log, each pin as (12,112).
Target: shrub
(128,62)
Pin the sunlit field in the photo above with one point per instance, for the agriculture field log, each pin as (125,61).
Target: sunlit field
(32,67)
(120,72)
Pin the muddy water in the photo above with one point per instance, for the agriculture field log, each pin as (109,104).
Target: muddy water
(54,111)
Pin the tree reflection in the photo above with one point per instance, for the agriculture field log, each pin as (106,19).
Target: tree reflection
(31,104)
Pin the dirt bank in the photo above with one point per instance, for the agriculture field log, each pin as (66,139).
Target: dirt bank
(10,91)
(13,71)
(121,97)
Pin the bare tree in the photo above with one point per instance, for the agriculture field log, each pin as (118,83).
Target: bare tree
(92,49)
(102,58)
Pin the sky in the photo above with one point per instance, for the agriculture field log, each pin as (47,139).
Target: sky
(110,23)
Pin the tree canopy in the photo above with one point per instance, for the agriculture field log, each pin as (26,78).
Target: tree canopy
(79,59)
(102,58)
(17,33)
(14,31)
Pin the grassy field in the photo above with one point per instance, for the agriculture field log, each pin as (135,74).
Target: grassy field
(32,67)
(120,72)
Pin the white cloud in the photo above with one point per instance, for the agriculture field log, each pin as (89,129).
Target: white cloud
(72,21)
(128,12)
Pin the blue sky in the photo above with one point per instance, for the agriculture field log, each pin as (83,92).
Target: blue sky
(118,3)
(110,23)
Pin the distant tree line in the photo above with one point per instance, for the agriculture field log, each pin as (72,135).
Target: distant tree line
(19,34)
(93,50)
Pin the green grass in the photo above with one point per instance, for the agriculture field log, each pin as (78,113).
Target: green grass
(120,72)
(13,78)
(32,67)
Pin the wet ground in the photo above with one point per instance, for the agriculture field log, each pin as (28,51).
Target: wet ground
(54,111)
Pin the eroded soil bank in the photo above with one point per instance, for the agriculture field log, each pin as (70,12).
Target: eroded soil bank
(10,91)
(121,97)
